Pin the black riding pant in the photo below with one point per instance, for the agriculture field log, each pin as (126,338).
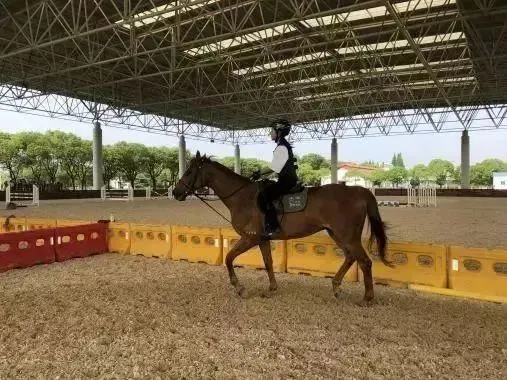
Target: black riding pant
(273,191)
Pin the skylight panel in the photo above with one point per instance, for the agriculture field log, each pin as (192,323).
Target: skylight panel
(371,13)
(438,38)
(283,63)
(142,19)
(418,85)
(413,68)
(241,40)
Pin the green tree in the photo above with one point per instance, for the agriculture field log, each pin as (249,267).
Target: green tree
(74,155)
(377,177)
(132,159)
(396,175)
(481,174)
(439,168)
(399,161)
(84,162)
(315,161)
(394,161)
(156,161)
(12,156)
(308,175)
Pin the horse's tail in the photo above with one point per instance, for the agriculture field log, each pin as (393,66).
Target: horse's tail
(377,228)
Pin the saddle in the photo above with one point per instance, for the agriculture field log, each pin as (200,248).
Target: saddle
(294,200)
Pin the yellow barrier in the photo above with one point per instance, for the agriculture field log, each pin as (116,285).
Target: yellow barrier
(415,263)
(72,222)
(478,270)
(253,257)
(150,240)
(196,244)
(39,224)
(458,293)
(119,237)
(15,225)
(317,255)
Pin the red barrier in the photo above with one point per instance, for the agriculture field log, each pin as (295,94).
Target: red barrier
(80,241)
(25,249)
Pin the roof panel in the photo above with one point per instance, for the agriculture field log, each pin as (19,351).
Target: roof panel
(237,64)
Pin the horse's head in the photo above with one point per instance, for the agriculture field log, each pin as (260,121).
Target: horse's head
(193,179)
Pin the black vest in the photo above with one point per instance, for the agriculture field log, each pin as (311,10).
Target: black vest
(289,169)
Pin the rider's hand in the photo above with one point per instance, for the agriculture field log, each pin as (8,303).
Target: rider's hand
(255,175)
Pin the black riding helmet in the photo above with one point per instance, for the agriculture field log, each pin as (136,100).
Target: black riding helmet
(281,125)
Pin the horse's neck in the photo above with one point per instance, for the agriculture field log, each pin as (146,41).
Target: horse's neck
(229,187)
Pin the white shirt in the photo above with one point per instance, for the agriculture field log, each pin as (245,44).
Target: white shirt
(280,157)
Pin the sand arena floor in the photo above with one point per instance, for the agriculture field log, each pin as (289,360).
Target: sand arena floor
(114,316)
(127,317)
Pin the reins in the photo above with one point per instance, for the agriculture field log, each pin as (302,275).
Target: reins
(193,192)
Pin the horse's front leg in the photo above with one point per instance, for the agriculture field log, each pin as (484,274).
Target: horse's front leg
(265,246)
(243,245)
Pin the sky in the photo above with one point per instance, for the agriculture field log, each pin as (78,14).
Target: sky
(415,149)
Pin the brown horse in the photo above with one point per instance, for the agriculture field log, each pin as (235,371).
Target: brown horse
(338,209)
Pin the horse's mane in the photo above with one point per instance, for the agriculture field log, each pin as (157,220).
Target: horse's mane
(222,167)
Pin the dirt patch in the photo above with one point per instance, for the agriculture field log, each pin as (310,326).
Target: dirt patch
(113,316)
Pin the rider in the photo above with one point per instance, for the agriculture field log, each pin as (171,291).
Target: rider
(284,164)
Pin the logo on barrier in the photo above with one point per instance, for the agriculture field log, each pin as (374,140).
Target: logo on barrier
(319,250)
(472,265)
(500,268)
(400,258)
(195,239)
(300,247)
(425,260)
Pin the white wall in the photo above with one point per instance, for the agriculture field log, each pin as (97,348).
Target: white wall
(342,176)
(500,181)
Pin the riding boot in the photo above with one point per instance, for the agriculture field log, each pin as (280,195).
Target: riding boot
(272,225)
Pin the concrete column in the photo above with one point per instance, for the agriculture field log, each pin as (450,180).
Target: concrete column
(237,160)
(98,159)
(181,157)
(465,160)
(334,161)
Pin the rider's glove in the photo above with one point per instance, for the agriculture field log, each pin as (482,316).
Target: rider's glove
(255,175)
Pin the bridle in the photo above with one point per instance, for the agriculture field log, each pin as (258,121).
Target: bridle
(190,191)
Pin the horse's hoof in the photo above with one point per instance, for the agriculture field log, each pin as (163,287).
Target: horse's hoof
(269,294)
(241,291)
(337,292)
(365,302)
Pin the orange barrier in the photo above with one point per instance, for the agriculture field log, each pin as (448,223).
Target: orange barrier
(38,223)
(27,248)
(119,237)
(195,244)
(80,241)
(317,255)
(150,240)
(15,224)
(253,257)
(478,270)
(415,263)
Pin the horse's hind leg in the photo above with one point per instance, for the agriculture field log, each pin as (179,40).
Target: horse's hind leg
(342,271)
(265,246)
(338,278)
(365,264)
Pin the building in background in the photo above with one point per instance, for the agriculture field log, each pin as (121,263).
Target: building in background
(500,180)
(353,174)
